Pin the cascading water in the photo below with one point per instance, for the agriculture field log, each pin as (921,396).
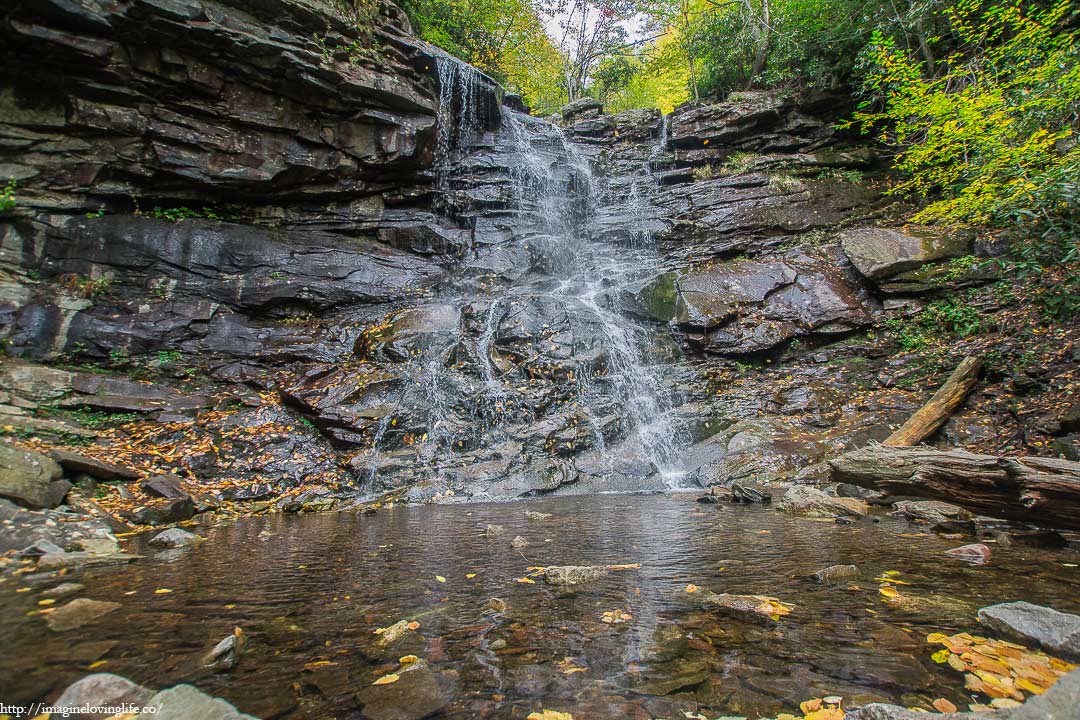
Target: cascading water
(554,345)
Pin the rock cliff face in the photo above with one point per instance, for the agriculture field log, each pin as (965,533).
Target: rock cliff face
(304,257)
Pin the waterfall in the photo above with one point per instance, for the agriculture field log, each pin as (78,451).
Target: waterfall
(473,394)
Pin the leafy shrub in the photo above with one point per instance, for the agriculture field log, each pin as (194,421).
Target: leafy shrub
(7,197)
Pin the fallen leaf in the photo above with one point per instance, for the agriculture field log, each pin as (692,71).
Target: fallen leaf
(527,581)
(408,659)
(470,576)
(413,625)
(387,679)
(46,601)
(162,591)
(96,665)
(549,715)
(692,588)
(440,578)
(944,706)
(808,706)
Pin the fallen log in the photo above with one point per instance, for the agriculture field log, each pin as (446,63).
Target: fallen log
(931,416)
(1043,491)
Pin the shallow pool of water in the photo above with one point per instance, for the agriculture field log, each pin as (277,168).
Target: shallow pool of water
(309,591)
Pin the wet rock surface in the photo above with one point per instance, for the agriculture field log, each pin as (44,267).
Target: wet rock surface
(1056,632)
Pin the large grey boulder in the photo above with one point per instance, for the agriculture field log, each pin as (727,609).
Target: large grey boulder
(1055,632)
(26,477)
(187,702)
(880,253)
(102,690)
(811,502)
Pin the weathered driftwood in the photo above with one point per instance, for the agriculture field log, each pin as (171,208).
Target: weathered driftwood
(1044,491)
(931,416)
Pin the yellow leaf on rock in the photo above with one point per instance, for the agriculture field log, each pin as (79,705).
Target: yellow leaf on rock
(936,638)
(387,679)
(408,660)
(808,706)
(96,665)
(890,593)
(941,656)
(413,625)
(46,601)
(527,581)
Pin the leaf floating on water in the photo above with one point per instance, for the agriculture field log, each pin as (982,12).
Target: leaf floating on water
(890,593)
(96,665)
(615,617)
(549,715)
(527,581)
(413,625)
(408,659)
(162,591)
(387,679)
(318,664)
(440,578)
(692,588)
(944,706)
(470,576)
(46,601)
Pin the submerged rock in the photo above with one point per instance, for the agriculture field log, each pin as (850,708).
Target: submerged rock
(63,590)
(931,511)
(811,502)
(413,696)
(77,613)
(973,553)
(573,574)
(1055,632)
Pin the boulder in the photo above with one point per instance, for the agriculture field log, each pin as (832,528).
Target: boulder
(879,253)
(811,502)
(174,538)
(164,486)
(77,613)
(185,702)
(1055,632)
(75,462)
(585,107)
(27,477)
(65,560)
(102,690)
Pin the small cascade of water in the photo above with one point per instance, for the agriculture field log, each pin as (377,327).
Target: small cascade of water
(458,121)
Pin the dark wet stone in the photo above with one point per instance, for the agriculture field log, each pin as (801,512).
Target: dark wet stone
(164,511)
(1055,632)
(61,561)
(76,463)
(164,486)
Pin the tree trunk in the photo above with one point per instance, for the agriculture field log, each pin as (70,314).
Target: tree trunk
(931,416)
(1044,491)
(763,36)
